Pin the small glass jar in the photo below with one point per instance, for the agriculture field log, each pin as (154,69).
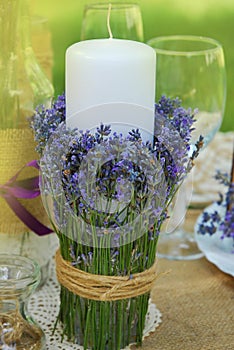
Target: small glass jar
(19,276)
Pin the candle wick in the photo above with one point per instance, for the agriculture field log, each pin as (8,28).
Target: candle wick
(108,22)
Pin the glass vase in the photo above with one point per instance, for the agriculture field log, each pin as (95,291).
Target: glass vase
(19,277)
(23,87)
(103,325)
(111,324)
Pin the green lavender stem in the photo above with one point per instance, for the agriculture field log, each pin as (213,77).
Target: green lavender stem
(106,325)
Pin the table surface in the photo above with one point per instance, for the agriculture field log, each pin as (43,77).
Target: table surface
(196,300)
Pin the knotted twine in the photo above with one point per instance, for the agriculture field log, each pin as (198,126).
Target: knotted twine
(14,330)
(102,287)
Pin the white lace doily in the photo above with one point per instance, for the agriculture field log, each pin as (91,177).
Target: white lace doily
(44,308)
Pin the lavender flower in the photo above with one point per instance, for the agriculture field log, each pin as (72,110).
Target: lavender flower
(227,225)
(180,118)
(45,121)
(222,178)
(212,222)
(132,175)
(173,127)
(113,179)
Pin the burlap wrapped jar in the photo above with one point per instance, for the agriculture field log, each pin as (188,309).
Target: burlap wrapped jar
(23,86)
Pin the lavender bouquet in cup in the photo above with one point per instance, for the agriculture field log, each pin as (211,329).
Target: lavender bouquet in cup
(107,196)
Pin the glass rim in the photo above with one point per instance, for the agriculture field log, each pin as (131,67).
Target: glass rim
(114,6)
(18,261)
(216,45)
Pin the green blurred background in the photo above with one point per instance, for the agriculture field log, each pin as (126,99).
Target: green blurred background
(212,18)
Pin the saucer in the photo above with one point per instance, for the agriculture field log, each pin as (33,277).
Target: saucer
(218,251)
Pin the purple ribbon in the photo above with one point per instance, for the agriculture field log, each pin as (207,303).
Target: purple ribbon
(27,189)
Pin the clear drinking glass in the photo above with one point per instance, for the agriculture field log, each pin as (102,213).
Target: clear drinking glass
(19,276)
(125,21)
(193,69)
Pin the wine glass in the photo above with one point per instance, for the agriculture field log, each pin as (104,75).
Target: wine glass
(191,68)
(124,18)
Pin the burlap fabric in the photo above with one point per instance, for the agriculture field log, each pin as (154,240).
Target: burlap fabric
(197,304)
(196,300)
(17,146)
(16,149)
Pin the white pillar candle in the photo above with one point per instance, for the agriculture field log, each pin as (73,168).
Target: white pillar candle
(106,71)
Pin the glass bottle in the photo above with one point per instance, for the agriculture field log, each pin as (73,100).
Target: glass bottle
(19,276)
(23,83)
(23,86)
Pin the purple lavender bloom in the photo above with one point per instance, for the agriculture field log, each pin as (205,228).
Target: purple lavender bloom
(45,121)
(222,178)
(215,217)
(180,118)
(227,225)
(206,217)
(123,188)
(211,222)
(104,130)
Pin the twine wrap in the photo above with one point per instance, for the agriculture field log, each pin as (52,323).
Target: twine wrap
(14,329)
(101,287)
(16,149)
